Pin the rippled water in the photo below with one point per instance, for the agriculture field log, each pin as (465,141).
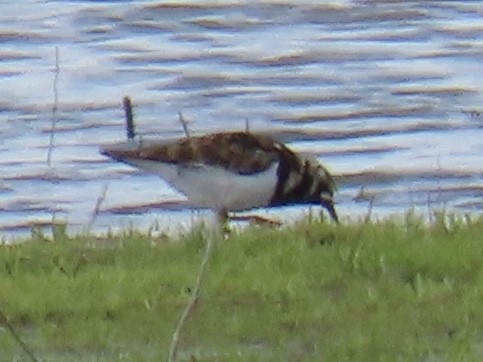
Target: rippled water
(387,93)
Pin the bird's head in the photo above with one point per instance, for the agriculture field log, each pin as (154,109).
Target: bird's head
(322,187)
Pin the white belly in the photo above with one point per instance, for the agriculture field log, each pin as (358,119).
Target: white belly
(214,187)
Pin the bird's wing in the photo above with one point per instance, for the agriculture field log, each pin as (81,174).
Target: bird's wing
(239,152)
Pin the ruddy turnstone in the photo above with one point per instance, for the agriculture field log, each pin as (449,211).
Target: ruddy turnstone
(232,171)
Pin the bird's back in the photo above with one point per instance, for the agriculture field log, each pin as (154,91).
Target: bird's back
(238,152)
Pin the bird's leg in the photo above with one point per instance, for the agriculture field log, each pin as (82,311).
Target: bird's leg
(258,220)
(329,205)
(222,218)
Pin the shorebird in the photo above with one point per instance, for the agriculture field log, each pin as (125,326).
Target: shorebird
(232,171)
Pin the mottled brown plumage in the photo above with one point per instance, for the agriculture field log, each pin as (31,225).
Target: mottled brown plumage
(238,152)
(297,180)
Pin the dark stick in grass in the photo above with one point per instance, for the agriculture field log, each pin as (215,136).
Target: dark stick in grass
(130,135)
(129,118)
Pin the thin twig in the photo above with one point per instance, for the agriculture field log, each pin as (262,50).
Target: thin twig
(23,345)
(367,218)
(95,212)
(55,108)
(215,233)
(184,124)
(55,118)
(130,128)
(430,209)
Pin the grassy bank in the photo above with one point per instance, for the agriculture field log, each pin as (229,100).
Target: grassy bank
(391,290)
